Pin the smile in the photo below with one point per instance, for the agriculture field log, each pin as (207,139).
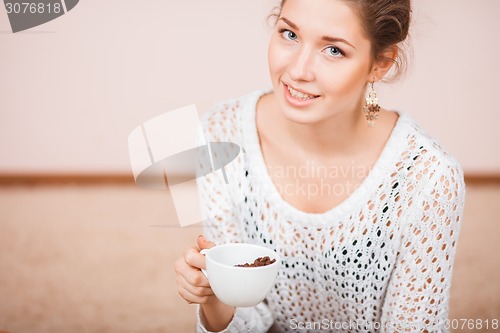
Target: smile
(300,95)
(298,99)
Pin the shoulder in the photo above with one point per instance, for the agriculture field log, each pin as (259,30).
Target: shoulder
(223,121)
(427,161)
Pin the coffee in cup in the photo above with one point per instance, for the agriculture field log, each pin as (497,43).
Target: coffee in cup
(240,286)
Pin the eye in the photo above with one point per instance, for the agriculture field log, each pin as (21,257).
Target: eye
(288,35)
(334,51)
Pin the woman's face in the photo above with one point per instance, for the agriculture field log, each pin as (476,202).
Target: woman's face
(318,51)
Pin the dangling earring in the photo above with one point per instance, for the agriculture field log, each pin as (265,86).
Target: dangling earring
(371,107)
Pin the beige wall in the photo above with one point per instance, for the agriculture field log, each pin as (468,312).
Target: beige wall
(71,90)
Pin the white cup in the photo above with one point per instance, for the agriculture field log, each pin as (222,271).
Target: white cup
(240,286)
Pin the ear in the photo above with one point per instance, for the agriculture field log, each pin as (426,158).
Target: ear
(384,63)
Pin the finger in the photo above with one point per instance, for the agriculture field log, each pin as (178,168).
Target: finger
(194,258)
(193,275)
(195,290)
(204,243)
(190,298)
(187,296)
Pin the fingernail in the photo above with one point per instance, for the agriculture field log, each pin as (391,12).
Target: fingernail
(202,238)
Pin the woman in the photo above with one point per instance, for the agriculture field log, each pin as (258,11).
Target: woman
(367,235)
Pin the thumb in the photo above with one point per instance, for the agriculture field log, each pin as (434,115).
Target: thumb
(203,243)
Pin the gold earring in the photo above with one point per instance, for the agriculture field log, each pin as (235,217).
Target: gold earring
(371,107)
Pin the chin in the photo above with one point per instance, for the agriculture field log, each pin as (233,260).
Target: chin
(304,117)
(296,114)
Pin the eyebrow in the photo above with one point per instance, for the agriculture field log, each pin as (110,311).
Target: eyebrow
(325,38)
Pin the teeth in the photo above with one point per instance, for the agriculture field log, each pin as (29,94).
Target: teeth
(299,95)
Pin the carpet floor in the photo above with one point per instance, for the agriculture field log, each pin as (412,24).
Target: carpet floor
(101,259)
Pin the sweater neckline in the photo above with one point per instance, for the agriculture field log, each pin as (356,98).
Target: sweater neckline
(380,170)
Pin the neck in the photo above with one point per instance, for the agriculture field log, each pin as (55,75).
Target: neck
(339,135)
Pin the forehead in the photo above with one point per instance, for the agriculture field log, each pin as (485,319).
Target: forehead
(325,17)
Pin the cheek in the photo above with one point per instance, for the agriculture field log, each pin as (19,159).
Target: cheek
(347,77)
(277,59)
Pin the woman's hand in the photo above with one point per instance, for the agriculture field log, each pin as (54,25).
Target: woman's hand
(194,287)
(192,284)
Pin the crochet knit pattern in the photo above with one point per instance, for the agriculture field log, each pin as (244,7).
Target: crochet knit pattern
(380,261)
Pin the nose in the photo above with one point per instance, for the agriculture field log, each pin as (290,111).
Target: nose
(301,66)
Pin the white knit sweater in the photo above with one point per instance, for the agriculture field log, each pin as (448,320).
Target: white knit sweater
(381,261)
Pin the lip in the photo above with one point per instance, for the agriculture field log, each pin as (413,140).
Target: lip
(300,90)
(295,101)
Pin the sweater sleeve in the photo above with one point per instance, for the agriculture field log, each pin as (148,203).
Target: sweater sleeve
(417,296)
(220,208)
